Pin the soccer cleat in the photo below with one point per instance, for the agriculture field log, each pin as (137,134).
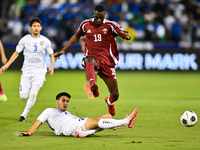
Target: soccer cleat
(3,97)
(94,89)
(131,118)
(76,134)
(22,119)
(90,95)
(111,108)
(79,134)
(86,87)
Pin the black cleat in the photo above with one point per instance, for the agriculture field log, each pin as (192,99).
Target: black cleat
(22,119)
(95,90)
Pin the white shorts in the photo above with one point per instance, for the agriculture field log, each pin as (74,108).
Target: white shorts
(28,80)
(69,129)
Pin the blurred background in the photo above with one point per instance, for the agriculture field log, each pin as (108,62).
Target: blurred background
(165,33)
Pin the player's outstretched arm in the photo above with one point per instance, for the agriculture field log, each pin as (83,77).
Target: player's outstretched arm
(11,60)
(2,53)
(71,42)
(32,129)
(51,68)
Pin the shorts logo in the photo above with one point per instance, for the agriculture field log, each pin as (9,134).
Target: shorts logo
(113,71)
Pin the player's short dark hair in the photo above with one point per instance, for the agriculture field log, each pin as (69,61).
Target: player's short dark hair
(99,8)
(35,20)
(63,94)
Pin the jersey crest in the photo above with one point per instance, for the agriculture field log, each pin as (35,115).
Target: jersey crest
(41,43)
(105,31)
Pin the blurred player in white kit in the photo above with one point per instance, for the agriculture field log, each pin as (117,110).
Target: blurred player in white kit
(34,69)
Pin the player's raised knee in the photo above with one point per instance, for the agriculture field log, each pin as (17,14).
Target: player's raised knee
(23,96)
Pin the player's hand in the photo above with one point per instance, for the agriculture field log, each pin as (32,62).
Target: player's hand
(127,36)
(51,70)
(58,54)
(3,68)
(24,134)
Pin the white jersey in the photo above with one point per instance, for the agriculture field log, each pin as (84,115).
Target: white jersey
(34,53)
(58,120)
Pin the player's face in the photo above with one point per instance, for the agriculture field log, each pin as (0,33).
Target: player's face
(99,17)
(62,103)
(35,29)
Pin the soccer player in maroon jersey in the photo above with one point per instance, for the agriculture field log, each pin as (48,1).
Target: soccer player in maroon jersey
(101,53)
(3,97)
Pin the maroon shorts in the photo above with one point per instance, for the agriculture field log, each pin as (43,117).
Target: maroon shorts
(104,70)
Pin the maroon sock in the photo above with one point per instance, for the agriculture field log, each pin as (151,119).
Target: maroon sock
(1,90)
(90,72)
(112,99)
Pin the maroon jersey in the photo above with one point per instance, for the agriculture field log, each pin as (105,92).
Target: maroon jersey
(100,40)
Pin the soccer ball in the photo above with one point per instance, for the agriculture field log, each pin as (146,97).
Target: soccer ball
(188,118)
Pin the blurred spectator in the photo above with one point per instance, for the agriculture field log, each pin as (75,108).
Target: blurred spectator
(57,4)
(186,34)
(149,15)
(197,30)
(169,20)
(50,31)
(176,28)
(184,18)
(149,30)
(178,8)
(15,26)
(159,30)
(161,7)
(135,7)
(140,18)
(16,8)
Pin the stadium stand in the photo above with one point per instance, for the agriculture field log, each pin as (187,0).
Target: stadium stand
(157,21)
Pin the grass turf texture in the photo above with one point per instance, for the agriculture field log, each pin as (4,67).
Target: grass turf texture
(160,98)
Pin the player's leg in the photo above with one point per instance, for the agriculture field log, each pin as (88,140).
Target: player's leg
(36,83)
(25,86)
(114,94)
(83,132)
(106,123)
(31,100)
(3,97)
(87,89)
(90,66)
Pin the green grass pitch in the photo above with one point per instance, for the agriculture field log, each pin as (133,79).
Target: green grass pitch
(160,98)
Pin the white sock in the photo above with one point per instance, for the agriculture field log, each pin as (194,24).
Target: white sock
(29,105)
(111,123)
(31,101)
(108,101)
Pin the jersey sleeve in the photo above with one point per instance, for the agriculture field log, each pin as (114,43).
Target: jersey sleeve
(49,49)
(44,115)
(116,29)
(80,30)
(20,45)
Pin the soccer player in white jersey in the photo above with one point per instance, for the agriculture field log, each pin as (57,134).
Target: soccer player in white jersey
(34,47)
(63,123)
